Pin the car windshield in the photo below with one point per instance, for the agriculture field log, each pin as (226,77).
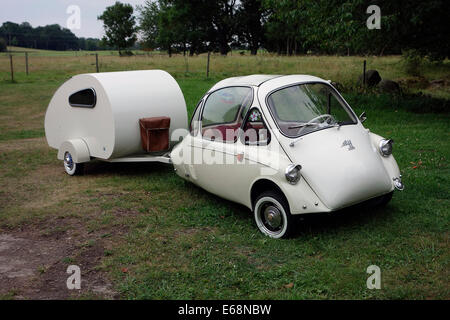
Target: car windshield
(304,108)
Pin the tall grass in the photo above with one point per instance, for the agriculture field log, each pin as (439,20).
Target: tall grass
(345,70)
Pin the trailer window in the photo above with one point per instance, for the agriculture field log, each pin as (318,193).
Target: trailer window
(85,98)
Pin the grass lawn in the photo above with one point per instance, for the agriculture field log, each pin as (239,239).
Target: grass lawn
(149,235)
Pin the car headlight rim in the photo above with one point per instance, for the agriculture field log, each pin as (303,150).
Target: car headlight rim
(385,147)
(292,173)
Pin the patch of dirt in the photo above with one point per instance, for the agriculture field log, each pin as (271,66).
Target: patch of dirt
(189,231)
(35,267)
(57,231)
(34,259)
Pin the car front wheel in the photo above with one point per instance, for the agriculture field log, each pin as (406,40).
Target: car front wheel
(383,200)
(272,216)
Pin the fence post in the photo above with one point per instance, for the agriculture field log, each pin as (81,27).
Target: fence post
(26,62)
(96,61)
(364,74)
(12,68)
(207,65)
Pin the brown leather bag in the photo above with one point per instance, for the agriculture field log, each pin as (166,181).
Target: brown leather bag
(155,133)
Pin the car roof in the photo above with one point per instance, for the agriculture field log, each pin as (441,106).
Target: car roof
(259,79)
(250,80)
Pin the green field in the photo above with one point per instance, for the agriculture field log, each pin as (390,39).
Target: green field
(140,232)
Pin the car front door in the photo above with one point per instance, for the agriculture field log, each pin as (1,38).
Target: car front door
(221,121)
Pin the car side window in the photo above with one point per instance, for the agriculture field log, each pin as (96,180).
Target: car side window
(255,131)
(195,122)
(223,113)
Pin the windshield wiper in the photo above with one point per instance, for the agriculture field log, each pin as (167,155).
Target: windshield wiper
(336,124)
(303,125)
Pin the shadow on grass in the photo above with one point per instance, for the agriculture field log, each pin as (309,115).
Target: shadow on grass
(356,216)
(101,168)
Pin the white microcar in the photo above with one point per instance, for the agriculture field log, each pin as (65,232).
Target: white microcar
(284,146)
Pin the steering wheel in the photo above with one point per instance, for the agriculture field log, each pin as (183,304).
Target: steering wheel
(314,120)
(325,116)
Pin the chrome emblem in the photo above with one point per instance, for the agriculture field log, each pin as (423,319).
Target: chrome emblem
(348,143)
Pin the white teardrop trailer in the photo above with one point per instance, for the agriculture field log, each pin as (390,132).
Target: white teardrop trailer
(97,116)
(281,145)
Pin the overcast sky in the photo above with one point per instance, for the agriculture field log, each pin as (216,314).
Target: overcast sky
(43,12)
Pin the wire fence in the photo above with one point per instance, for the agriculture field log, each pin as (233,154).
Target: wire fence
(17,66)
(14,64)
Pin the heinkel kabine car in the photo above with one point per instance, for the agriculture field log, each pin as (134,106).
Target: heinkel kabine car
(280,145)
(284,146)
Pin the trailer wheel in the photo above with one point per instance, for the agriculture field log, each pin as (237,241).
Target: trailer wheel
(272,215)
(72,168)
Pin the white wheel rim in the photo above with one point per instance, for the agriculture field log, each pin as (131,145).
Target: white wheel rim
(69,165)
(276,226)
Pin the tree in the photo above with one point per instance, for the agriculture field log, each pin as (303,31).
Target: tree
(176,25)
(285,22)
(419,25)
(119,25)
(196,24)
(250,15)
(171,27)
(2,45)
(224,24)
(148,23)
(297,26)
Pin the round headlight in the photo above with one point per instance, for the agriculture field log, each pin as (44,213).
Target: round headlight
(385,147)
(292,173)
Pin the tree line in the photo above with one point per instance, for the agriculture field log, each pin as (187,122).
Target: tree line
(295,26)
(287,27)
(50,37)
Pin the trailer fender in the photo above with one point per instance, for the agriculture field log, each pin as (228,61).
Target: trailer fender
(77,148)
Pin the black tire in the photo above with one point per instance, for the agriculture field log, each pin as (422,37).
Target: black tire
(79,170)
(383,200)
(386,198)
(272,215)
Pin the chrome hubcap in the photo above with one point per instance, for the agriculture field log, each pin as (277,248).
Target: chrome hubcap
(68,162)
(272,217)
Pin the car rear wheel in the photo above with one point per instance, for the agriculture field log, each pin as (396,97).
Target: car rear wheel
(272,216)
(72,168)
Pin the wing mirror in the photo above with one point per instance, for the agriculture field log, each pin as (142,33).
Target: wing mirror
(363,117)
